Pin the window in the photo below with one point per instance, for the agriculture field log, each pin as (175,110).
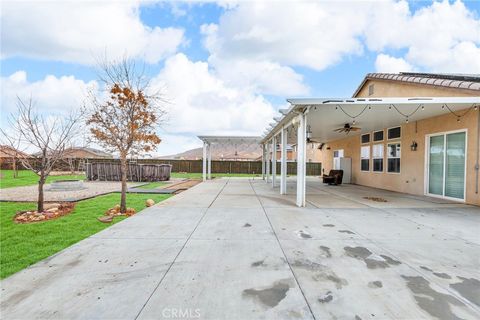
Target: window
(365,158)
(393,163)
(366,138)
(377,157)
(378,136)
(371,89)
(394,133)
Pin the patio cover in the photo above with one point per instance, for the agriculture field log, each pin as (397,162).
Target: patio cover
(319,117)
(208,141)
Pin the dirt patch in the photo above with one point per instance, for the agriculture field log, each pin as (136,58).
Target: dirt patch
(182,186)
(52,211)
(376,199)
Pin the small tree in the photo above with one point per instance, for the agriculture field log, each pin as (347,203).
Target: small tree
(125,122)
(50,136)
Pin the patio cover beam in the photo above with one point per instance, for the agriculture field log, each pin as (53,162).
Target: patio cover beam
(274,160)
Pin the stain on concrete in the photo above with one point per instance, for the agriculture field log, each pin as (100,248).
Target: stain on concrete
(372,261)
(329,225)
(346,231)
(362,253)
(469,288)
(270,296)
(326,297)
(390,260)
(321,272)
(258,263)
(442,275)
(375,284)
(303,234)
(326,251)
(426,268)
(247,225)
(435,303)
(357,317)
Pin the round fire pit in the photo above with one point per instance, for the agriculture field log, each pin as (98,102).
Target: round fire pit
(66,185)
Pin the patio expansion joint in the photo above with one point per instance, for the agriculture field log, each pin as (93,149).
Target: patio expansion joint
(180,251)
(283,252)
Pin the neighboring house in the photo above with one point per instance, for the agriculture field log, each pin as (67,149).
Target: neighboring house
(435,156)
(7,154)
(84,152)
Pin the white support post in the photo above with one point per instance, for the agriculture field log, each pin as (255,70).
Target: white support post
(274,160)
(301,155)
(263,161)
(209,161)
(267,163)
(283,172)
(204,168)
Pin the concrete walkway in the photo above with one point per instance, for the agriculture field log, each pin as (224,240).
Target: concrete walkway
(235,249)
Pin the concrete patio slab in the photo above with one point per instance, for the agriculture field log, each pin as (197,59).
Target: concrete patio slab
(236,249)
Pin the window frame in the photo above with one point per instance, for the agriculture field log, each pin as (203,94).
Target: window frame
(383,136)
(369,157)
(388,157)
(361,138)
(391,139)
(376,158)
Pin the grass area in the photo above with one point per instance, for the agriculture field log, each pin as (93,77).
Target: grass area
(215,175)
(28,178)
(152,185)
(24,244)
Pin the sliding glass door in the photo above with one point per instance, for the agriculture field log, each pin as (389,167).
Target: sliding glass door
(446,165)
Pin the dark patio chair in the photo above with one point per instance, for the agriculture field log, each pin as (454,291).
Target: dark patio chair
(334,177)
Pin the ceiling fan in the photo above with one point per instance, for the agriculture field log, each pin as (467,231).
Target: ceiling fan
(347,128)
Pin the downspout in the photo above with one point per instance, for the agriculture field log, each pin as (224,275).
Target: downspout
(477,165)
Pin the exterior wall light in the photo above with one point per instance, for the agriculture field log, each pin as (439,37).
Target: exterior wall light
(414,146)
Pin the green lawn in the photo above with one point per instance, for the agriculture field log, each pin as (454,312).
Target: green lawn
(24,244)
(214,175)
(28,178)
(152,185)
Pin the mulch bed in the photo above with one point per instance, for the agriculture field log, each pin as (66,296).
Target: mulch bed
(52,211)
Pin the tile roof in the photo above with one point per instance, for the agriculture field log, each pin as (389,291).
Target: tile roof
(469,82)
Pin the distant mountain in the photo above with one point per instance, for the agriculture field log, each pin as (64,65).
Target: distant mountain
(221,152)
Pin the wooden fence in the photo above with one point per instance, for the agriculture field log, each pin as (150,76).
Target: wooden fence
(108,171)
(195,166)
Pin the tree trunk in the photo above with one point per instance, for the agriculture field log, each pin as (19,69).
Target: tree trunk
(123,172)
(14,167)
(41,182)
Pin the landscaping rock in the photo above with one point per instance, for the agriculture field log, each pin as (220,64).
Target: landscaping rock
(149,203)
(106,219)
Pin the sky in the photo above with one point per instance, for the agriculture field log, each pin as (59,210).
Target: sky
(227,67)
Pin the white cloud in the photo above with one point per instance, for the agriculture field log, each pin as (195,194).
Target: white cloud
(389,64)
(289,33)
(441,37)
(202,103)
(51,94)
(82,31)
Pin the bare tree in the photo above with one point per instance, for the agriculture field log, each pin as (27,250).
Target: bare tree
(50,136)
(126,120)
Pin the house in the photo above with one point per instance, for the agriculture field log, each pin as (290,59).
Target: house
(8,154)
(414,133)
(84,153)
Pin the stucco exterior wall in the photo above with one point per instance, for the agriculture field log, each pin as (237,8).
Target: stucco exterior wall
(386,88)
(411,178)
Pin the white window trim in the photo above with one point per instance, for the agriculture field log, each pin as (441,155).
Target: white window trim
(369,157)
(388,144)
(369,138)
(373,136)
(393,139)
(427,164)
(383,158)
